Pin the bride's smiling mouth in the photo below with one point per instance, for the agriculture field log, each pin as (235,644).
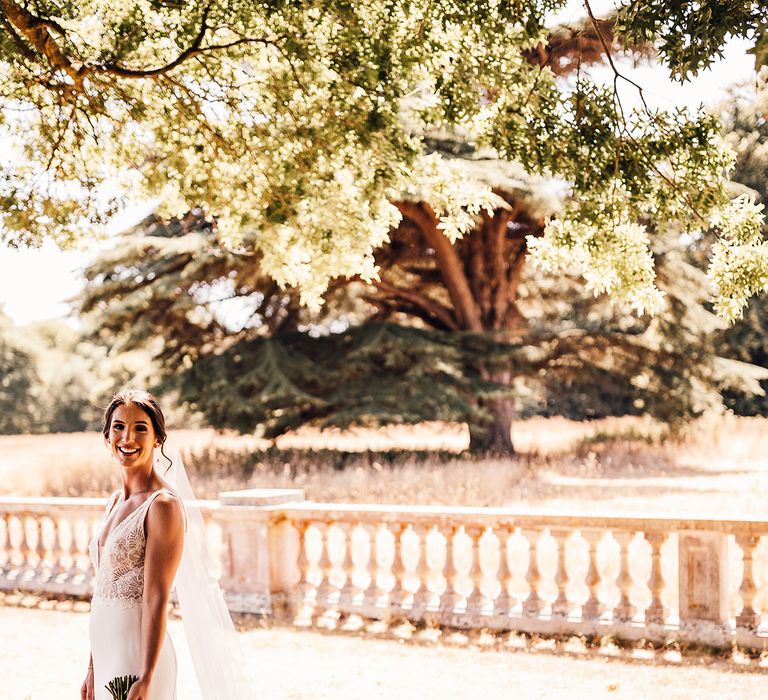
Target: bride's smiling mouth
(128,452)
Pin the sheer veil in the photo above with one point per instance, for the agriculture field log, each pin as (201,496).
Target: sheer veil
(216,653)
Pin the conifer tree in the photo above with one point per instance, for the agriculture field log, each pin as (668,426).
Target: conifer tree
(247,355)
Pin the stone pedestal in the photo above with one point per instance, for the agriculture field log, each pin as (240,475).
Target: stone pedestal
(252,547)
(703,585)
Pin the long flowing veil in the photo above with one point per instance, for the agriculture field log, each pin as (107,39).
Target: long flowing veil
(217,656)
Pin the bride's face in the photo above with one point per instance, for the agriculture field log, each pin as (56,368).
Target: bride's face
(131,436)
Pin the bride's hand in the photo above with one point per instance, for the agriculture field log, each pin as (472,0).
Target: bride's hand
(139,690)
(86,690)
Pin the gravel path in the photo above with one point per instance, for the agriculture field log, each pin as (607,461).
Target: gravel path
(44,652)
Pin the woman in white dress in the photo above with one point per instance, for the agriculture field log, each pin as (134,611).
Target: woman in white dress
(135,554)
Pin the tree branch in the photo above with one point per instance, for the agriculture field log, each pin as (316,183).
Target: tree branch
(195,49)
(21,23)
(472,249)
(498,268)
(450,264)
(616,75)
(20,43)
(35,30)
(192,50)
(431,308)
(593,20)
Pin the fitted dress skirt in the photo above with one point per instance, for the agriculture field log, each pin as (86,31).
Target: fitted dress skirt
(115,634)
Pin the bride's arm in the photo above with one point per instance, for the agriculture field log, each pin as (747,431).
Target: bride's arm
(164,529)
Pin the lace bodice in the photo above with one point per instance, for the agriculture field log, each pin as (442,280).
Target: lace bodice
(119,565)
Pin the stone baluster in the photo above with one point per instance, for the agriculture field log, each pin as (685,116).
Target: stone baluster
(476,600)
(450,597)
(748,617)
(349,590)
(302,563)
(504,601)
(25,568)
(373,593)
(57,549)
(592,608)
(655,612)
(398,593)
(533,603)
(561,605)
(40,549)
(326,588)
(423,596)
(624,610)
(74,551)
(6,544)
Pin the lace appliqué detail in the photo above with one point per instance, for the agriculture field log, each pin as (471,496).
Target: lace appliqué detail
(119,581)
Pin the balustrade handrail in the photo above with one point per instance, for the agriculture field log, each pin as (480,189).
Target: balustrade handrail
(310,510)
(344,512)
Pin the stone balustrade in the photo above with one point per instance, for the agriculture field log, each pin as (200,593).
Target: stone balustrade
(688,579)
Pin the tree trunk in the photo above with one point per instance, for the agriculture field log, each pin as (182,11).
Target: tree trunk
(495,436)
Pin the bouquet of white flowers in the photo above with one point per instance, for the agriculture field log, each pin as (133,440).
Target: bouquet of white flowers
(118,687)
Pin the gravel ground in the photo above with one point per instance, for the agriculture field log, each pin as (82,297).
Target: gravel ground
(43,655)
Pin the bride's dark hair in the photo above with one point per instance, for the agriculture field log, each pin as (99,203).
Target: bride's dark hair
(147,403)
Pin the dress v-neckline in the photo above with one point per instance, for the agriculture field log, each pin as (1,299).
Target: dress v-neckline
(114,527)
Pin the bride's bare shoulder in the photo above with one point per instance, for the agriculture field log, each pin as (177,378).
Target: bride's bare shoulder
(165,513)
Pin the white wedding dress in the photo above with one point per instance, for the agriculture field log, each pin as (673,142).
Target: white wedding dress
(115,618)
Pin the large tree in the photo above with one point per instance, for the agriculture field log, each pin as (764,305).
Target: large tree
(164,280)
(306,122)
(248,356)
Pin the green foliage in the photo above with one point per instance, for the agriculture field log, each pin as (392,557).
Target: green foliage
(298,142)
(747,341)
(19,384)
(66,377)
(53,380)
(691,35)
(591,365)
(670,366)
(745,118)
(295,126)
(370,375)
(42,388)
(745,124)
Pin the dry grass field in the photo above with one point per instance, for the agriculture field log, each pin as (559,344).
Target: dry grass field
(717,466)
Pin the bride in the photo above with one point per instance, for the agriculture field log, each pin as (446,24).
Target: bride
(152,538)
